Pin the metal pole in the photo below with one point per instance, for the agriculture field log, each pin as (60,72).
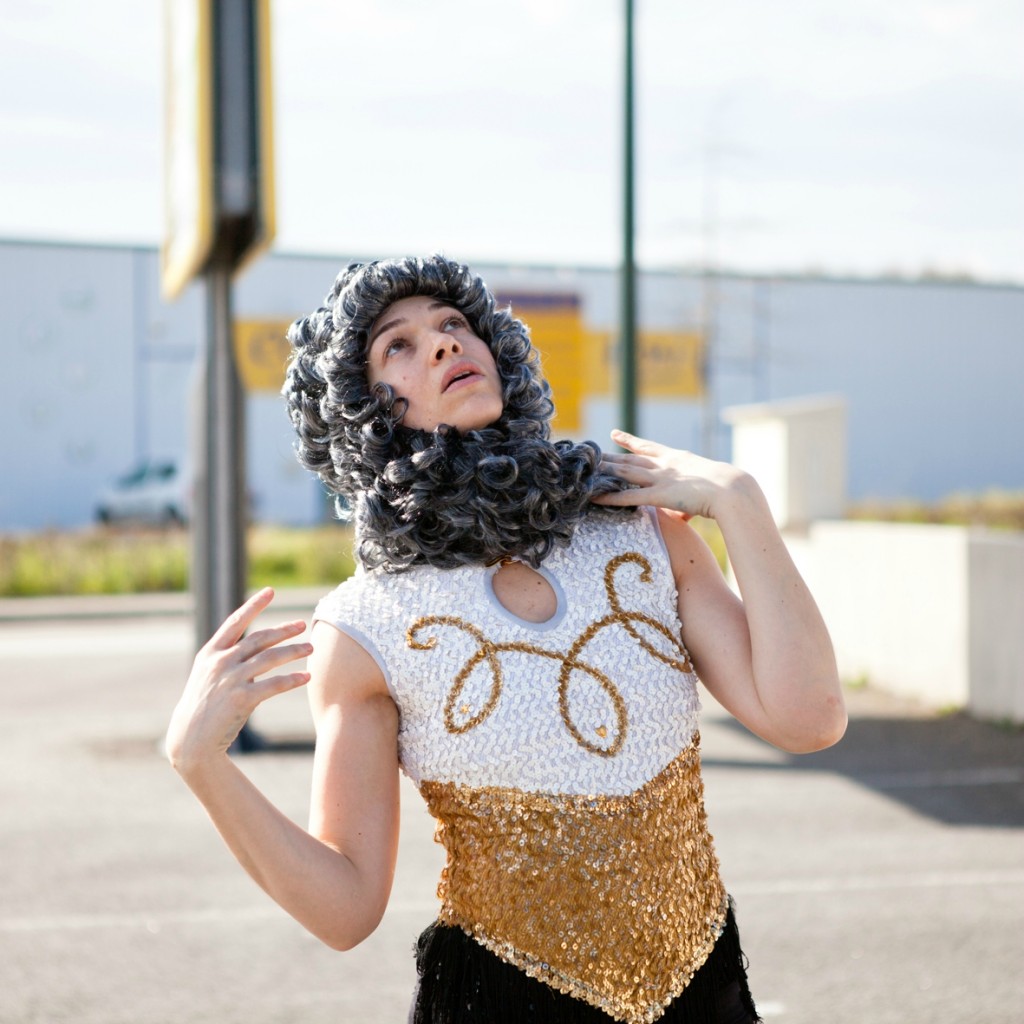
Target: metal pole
(227,451)
(219,538)
(627,354)
(219,570)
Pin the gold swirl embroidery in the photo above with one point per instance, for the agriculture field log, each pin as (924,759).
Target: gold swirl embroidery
(488,651)
(682,663)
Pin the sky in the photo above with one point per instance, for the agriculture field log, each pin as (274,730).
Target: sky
(845,137)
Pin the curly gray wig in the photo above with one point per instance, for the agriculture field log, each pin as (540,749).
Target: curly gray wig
(436,497)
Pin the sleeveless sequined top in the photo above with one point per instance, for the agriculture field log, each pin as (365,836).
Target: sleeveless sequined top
(560,760)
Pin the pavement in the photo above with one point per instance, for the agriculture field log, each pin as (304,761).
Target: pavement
(131,606)
(879,882)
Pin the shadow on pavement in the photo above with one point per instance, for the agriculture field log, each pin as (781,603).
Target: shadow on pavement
(953,768)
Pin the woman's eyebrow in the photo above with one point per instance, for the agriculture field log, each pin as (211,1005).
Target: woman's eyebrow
(381,328)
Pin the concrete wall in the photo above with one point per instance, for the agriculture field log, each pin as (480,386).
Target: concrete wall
(933,613)
(895,599)
(996,625)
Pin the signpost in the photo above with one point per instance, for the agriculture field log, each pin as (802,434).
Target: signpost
(220,213)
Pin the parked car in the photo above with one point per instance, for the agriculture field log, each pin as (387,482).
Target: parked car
(153,492)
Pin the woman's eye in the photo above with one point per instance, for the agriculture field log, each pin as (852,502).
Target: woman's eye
(452,322)
(393,346)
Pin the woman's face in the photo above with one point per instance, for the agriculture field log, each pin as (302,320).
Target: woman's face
(424,348)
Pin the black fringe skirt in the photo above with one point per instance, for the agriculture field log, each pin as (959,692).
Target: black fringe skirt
(461,982)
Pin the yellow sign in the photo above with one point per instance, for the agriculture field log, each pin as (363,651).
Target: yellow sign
(580,362)
(577,361)
(669,363)
(188,143)
(261,353)
(557,332)
(190,207)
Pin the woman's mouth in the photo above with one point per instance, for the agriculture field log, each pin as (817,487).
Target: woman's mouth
(457,374)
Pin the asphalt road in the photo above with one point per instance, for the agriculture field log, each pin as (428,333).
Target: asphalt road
(881,881)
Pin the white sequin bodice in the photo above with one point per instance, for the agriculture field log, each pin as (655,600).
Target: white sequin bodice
(560,760)
(598,699)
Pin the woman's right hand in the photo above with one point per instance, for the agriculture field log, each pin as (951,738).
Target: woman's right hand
(223,690)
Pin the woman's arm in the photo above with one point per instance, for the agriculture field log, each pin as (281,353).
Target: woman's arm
(336,878)
(766,658)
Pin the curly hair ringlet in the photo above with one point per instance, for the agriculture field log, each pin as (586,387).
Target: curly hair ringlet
(436,497)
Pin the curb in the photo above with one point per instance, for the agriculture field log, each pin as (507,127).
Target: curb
(178,604)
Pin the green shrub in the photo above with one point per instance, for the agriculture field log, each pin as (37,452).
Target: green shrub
(96,561)
(110,560)
(280,557)
(1000,510)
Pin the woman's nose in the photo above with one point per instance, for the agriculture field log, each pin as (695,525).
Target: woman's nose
(444,344)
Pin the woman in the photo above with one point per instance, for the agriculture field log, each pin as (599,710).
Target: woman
(512,642)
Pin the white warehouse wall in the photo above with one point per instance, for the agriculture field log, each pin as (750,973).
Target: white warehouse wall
(98,371)
(932,373)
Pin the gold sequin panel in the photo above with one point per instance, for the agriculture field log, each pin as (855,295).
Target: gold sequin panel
(613,900)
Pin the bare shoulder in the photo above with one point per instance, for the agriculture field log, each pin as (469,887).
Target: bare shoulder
(342,672)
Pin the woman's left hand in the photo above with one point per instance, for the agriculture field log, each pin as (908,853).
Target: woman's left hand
(678,481)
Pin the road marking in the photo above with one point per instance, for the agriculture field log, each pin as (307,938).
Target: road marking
(881,883)
(151,922)
(157,920)
(39,643)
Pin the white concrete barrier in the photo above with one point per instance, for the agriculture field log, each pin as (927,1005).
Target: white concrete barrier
(996,624)
(934,613)
(796,448)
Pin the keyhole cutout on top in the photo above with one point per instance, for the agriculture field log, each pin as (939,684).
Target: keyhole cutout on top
(524,593)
